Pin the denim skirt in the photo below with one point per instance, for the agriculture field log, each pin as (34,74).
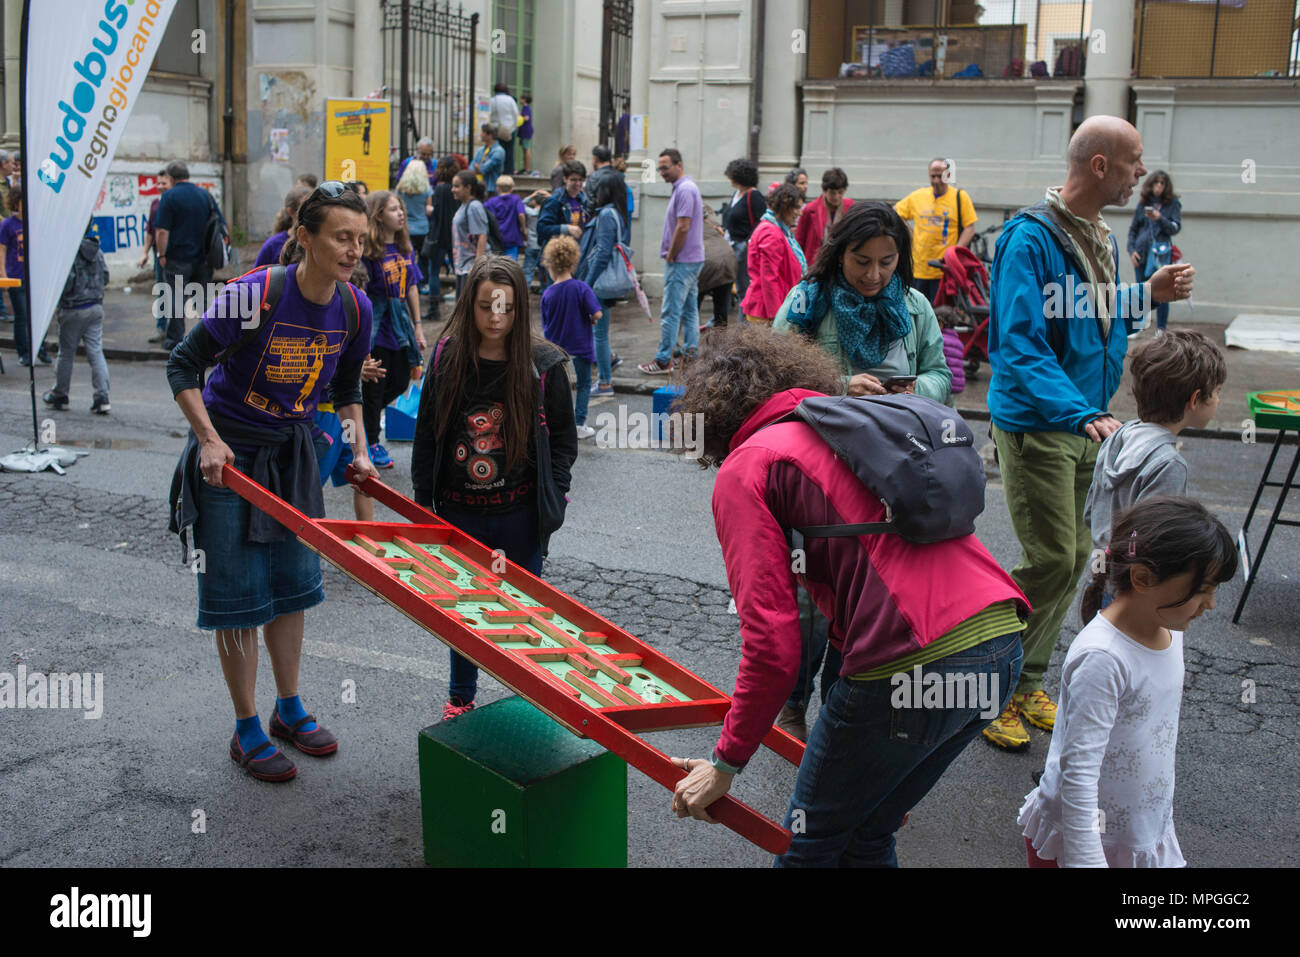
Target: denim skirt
(245,584)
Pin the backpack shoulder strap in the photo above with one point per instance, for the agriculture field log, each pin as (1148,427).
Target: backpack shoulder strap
(959,214)
(272,291)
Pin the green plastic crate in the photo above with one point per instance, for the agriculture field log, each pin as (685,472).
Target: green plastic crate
(1275,409)
(506,786)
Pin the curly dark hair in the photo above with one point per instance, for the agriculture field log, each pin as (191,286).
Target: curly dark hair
(740,368)
(1147,187)
(742,172)
(784,198)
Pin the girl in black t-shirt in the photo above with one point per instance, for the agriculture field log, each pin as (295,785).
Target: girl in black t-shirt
(495,436)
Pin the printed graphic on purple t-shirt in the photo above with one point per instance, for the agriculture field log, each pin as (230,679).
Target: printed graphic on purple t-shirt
(11,238)
(390,278)
(279,375)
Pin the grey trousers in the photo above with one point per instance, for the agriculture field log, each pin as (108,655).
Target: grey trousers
(76,326)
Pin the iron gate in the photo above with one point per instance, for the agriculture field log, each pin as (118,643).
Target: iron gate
(429,72)
(615,70)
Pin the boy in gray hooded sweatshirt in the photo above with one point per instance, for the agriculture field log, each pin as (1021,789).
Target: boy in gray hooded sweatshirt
(1176,381)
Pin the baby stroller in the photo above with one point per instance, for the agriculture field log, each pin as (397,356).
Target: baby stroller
(965,287)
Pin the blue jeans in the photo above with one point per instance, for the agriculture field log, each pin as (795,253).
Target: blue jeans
(679,308)
(532,256)
(18,299)
(516,534)
(582,368)
(868,763)
(604,356)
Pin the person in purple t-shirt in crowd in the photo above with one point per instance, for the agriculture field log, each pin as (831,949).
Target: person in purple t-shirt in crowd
(510,216)
(255,414)
(682,248)
(396,337)
(569,311)
(525,134)
(269,254)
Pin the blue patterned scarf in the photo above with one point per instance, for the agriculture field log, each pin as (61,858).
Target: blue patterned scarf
(866,327)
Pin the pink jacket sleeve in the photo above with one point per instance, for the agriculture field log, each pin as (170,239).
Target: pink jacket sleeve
(763,585)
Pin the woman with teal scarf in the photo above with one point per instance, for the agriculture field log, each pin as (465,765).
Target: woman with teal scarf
(857,304)
(775,261)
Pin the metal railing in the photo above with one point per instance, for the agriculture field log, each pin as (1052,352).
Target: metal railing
(1220,39)
(429,69)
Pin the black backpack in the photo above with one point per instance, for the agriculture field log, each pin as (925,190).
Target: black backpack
(272,291)
(917,455)
(216,238)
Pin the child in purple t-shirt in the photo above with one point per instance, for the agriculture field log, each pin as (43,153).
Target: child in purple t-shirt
(510,216)
(569,311)
(397,340)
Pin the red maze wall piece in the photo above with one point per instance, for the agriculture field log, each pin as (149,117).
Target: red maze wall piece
(584,671)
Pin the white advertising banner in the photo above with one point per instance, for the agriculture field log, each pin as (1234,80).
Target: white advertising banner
(84,64)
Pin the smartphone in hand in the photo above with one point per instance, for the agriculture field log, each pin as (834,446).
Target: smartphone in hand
(898,381)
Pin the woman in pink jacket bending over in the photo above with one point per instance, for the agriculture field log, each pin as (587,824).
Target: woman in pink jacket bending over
(929,633)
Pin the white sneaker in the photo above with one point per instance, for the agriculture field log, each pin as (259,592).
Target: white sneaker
(585,431)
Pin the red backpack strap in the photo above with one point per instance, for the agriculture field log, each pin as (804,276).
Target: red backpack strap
(272,290)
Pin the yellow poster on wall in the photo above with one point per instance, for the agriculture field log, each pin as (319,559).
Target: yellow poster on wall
(356,141)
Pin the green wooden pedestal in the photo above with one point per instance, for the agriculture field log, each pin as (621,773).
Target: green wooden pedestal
(506,786)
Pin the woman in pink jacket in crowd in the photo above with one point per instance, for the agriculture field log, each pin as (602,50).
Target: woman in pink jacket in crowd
(776,261)
(884,737)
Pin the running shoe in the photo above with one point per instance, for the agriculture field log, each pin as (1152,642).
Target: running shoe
(585,431)
(379,457)
(1038,709)
(1006,730)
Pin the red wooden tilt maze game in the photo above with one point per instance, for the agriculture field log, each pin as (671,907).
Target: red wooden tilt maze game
(581,669)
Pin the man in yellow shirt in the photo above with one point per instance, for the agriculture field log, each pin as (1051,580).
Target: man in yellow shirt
(939,217)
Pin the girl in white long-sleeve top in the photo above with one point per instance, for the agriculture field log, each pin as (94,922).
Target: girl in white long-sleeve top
(1106,798)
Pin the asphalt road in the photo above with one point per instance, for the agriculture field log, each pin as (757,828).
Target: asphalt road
(90,581)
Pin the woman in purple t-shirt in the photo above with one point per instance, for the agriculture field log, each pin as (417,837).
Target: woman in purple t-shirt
(255,413)
(397,337)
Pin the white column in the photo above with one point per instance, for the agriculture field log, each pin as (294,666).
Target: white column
(778,140)
(1109,49)
(367,48)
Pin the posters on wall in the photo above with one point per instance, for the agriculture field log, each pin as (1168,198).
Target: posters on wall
(357,134)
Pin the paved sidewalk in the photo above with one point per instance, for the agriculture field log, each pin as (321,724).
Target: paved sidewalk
(129,322)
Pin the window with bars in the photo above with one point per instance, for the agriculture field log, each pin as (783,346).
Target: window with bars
(513,65)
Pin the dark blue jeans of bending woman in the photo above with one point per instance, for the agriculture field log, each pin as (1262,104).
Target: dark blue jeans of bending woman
(515,533)
(868,762)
